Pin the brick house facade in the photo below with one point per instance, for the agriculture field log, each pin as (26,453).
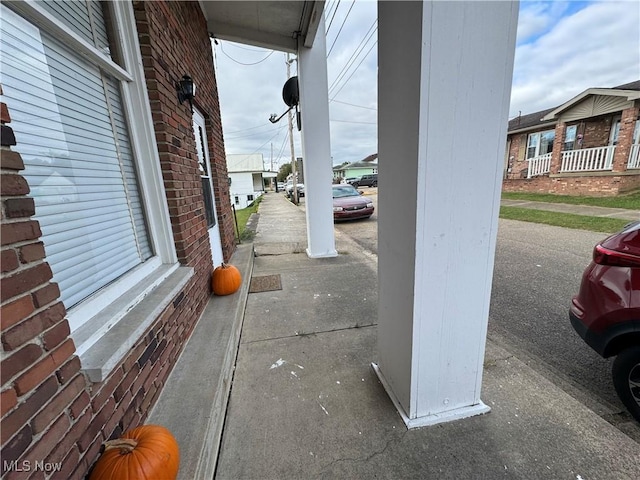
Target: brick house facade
(587,146)
(52,410)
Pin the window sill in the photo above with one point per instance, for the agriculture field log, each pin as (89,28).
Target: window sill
(104,355)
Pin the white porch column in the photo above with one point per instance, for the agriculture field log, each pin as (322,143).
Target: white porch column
(316,147)
(444,72)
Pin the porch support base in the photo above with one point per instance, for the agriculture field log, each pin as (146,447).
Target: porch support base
(433,419)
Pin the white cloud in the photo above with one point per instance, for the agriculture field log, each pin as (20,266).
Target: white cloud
(563,49)
(598,46)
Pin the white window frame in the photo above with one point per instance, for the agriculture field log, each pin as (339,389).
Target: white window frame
(614,133)
(138,112)
(538,137)
(572,141)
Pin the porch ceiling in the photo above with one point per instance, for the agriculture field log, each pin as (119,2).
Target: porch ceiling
(268,24)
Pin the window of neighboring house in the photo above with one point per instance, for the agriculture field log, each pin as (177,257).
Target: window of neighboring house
(636,133)
(570,137)
(540,143)
(250,198)
(615,131)
(237,200)
(65,87)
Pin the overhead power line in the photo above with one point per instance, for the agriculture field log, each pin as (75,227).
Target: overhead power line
(355,54)
(341,26)
(242,63)
(353,105)
(337,4)
(356,69)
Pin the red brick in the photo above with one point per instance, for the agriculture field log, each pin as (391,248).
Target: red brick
(35,375)
(57,433)
(106,389)
(13,449)
(61,354)
(69,463)
(78,428)
(46,295)
(25,280)
(8,260)
(32,252)
(11,160)
(56,335)
(25,331)
(67,371)
(16,311)
(21,415)
(8,400)
(13,185)
(19,361)
(79,405)
(97,425)
(57,405)
(19,207)
(126,383)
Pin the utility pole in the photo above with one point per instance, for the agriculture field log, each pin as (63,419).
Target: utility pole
(271,170)
(293,155)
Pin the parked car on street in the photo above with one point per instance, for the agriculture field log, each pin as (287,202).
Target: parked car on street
(348,204)
(606,310)
(366,181)
(349,180)
(289,189)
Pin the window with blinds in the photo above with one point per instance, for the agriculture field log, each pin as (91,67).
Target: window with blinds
(72,133)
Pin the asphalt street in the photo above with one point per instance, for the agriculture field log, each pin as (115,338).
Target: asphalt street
(537,270)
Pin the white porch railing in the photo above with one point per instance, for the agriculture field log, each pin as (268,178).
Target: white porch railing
(634,157)
(586,159)
(539,165)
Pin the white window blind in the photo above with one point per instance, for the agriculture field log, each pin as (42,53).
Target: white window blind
(72,134)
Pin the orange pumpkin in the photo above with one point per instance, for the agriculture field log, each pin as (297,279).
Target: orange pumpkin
(226,279)
(148,452)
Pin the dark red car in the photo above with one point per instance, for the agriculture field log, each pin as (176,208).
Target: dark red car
(348,204)
(606,311)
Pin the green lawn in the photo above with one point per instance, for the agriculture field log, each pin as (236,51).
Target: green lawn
(242,216)
(569,220)
(631,201)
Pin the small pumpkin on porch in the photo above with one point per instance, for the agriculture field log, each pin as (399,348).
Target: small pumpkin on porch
(226,279)
(148,452)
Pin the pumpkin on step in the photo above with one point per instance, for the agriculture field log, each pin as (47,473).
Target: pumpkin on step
(148,452)
(226,279)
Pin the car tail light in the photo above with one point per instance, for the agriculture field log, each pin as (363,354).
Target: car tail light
(604,256)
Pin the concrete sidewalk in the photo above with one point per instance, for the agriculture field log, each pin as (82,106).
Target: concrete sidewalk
(305,402)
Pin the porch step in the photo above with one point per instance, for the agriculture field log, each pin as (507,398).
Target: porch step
(193,402)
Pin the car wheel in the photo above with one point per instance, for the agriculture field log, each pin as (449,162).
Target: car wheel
(355,184)
(374,184)
(626,379)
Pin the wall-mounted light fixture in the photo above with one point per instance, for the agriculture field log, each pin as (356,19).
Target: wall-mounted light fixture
(186,90)
(229,180)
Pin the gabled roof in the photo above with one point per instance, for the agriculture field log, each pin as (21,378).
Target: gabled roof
(370,161)
(548,117)
(531,120)
(630,91)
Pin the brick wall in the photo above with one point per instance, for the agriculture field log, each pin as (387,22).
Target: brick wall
(593,186)
(170,51)
(596,132)
(50,411)
(517,153)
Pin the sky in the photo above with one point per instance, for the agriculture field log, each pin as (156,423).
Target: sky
(562,48)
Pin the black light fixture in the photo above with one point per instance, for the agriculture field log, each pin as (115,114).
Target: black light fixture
(186,90)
